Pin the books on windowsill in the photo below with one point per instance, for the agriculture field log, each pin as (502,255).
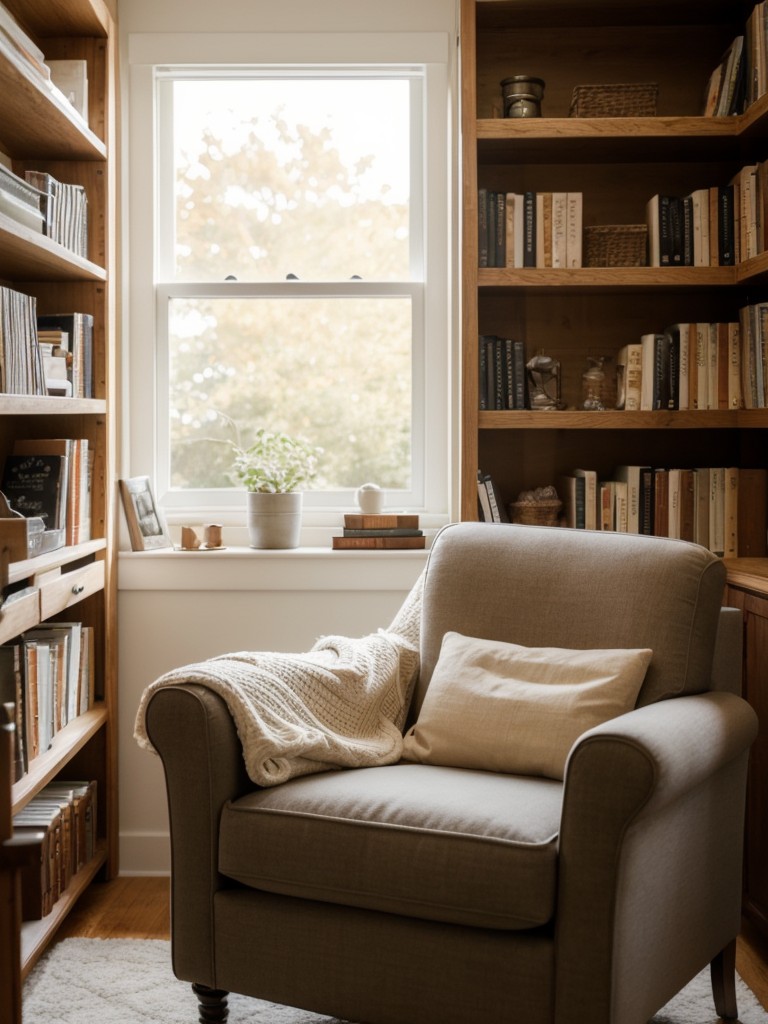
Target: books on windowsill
(384,531)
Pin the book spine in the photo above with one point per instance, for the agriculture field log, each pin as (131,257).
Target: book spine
(529,229)
(482,227)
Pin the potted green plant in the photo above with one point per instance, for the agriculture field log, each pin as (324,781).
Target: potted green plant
(273,470)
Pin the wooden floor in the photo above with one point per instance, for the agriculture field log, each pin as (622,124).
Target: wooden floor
(138,908)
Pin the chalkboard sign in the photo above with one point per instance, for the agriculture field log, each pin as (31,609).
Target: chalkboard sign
(36,485)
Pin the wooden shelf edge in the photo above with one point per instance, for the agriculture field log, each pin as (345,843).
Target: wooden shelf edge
(623,277)
(608,277)
(556,129)
(36,935)
(750,573)
(617,419)
(600,128)
(75,18)
(66,744)
(53,559)
(26,254)
(50,405)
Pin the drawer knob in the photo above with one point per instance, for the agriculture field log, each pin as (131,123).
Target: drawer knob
(78,588)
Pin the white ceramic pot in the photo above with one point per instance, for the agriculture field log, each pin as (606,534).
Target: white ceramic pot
(274,520)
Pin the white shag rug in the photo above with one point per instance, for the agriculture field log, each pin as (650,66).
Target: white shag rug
(129,981)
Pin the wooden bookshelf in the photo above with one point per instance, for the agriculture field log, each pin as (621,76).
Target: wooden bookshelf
(618,163)
(40,131)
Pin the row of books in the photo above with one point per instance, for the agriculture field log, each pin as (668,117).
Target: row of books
(48,206)
(716,226)
(741,77)
(502,373)
(698,365)
(21,366)
(63,819)
(383,531)
(64,207)
(530,229)
(711,506)
(51,479)
(40,354)
(727,90)
(48,676)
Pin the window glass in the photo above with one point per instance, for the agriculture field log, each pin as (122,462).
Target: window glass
(305,176)
(336,371)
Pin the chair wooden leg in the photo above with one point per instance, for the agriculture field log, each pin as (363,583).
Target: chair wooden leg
(212,1003)
(723,974)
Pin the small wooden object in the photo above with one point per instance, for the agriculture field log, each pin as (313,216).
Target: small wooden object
(189,539)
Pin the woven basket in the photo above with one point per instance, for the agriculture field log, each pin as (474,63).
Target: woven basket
(616,245)
(635,99)
(535,513)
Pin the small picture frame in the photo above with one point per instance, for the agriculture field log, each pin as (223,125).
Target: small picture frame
(146,525)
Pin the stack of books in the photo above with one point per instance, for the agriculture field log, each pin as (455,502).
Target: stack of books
(20,201)
(20,49)
(69,336)
(382,531)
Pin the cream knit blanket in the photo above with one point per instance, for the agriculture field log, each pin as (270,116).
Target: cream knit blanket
(341,705)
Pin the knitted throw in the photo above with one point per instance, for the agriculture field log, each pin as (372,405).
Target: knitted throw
(340,705)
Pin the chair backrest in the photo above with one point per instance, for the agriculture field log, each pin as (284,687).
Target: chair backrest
(552,587)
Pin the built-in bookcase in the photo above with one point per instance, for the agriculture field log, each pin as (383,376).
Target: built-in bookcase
(40,130)
(617,164)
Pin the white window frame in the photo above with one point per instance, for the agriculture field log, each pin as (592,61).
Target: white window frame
(146,369)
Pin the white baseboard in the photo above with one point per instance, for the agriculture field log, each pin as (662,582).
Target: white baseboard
(145,853)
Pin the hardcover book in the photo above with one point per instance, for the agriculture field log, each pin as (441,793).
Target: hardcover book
(36,485)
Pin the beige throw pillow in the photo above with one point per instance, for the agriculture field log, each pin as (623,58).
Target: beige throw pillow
(506,708)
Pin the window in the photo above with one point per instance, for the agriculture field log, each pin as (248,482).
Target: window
(299,275)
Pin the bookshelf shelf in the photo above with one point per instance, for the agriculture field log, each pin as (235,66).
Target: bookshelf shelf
(63,17)
(66,744)
(614,419)
(617,164)
(24,254)
(609,278)
(48,405)
(40,131)
(36,121)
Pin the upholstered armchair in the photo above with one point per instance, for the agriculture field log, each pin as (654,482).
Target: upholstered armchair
(560,839)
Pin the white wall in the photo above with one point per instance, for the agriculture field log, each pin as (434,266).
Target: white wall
(209,604)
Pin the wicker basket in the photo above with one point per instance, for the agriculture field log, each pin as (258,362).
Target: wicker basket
(616,245)
(635,99)
(535,513)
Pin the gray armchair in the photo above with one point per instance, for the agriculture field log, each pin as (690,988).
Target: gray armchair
(430,893)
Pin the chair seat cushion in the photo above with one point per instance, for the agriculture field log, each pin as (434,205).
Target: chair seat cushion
(441,843)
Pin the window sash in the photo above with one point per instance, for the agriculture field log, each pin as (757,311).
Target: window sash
(149,55)
(175,498)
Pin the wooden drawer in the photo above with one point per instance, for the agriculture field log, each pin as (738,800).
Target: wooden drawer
(69,588)
(24,613)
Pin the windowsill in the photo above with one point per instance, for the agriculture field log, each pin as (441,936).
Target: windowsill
(244,568)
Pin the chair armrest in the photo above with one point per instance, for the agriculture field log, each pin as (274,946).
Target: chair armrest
(193,732)
(650,850)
